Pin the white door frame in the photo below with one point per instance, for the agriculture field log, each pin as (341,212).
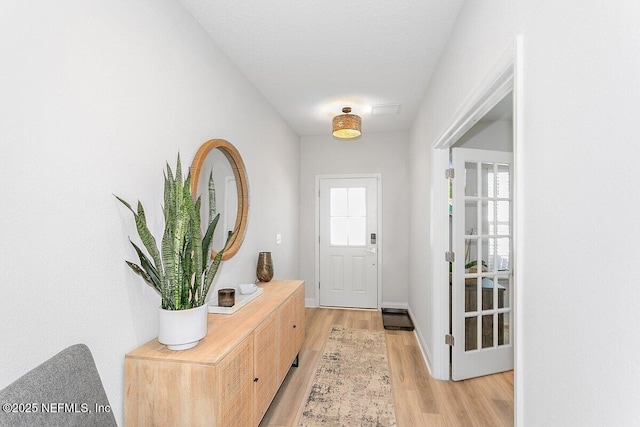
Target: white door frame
(504,77)
(379,237)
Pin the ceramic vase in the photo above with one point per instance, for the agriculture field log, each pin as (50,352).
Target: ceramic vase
(264,271)
(182,329)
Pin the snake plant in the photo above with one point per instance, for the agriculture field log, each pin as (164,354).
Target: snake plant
(180,270)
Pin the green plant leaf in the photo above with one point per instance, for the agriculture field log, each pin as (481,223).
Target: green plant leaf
(149,268)
(194,236)
(145,235)
(212,269)
(475,263)
(206,240)
(212,196)
(138,270)
(124,202)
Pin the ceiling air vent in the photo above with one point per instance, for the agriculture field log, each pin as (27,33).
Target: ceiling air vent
(380,110)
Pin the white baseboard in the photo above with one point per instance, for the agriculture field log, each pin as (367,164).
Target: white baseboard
(424,349)
(397,305)
(310,302)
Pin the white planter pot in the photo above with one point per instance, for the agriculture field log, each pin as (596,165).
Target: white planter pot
(182,329)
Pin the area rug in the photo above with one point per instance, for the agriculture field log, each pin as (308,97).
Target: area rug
(352,385)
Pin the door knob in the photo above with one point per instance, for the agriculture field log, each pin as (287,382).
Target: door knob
(372,251)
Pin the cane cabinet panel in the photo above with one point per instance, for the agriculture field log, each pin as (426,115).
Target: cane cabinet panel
(266,379)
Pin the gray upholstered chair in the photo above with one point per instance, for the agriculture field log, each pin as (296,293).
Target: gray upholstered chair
(66,390)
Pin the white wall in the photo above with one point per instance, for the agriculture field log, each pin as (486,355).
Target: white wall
(482,31)
(577,168)
(486,135)
(384,153)
(420,290)
(96,97)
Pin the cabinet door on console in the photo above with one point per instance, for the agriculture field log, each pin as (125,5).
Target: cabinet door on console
(235,387)
(300,319)
(287,328)
(265,365)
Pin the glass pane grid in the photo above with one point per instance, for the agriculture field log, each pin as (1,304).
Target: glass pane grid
(491,329)
(487,238)
(348,216)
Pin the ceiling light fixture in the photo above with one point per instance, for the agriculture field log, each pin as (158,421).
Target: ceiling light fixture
(347,126)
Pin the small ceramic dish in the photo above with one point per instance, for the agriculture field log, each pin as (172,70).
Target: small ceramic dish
(247,288)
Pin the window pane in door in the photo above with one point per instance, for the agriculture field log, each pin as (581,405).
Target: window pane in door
(470,252)
(503,247)
(503,328)
(470,179)
(339,231)
(471,217)
(503,182)
(357,202)
(487,293)
(470,333)
(503,292)
(487,331)
(470,294)
(503,213)
(496,216)
(339,202)
(487,217)
(484,259)
(488,180)
(357,231)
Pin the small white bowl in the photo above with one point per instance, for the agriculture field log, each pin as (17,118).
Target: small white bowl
(247,288)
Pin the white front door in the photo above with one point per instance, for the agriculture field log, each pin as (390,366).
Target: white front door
(348,255)
(482,273)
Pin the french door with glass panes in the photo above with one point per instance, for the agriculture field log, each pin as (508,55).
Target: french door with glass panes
(348,242)
(482,272)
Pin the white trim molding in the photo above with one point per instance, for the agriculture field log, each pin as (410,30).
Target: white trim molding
(518,208)
(395,305)
(422,343)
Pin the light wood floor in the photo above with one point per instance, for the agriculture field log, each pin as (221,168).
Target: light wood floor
(419,400)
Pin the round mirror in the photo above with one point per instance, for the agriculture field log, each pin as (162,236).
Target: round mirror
(218,170)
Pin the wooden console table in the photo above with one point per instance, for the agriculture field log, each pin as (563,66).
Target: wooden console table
(230,377)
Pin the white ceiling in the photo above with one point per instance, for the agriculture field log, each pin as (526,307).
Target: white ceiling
(311,58)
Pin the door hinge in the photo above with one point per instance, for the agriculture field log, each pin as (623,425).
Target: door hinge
(448,340)
(450,173)
(449,256)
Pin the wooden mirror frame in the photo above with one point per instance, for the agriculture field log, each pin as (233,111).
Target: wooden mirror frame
(235,160)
